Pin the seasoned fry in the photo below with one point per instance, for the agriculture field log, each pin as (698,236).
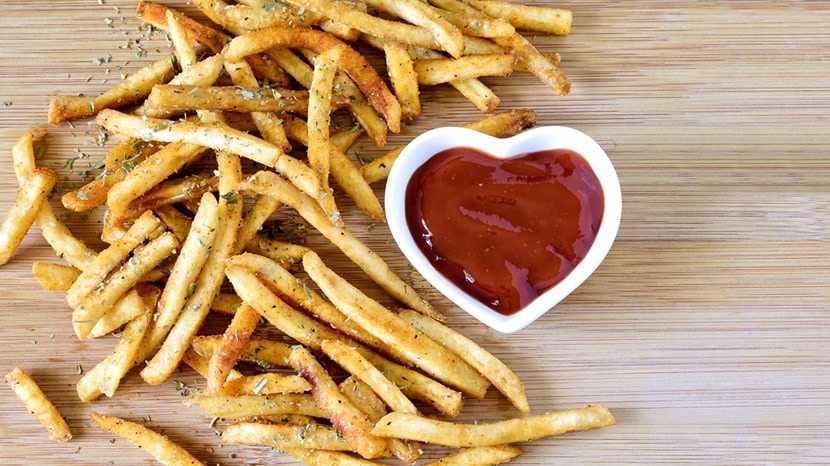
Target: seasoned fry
(54,277)
(233,342)
(246,406)
(267,123)
(499,433)
(169,98)
(126,309)
(23,212)
(263,352)
(156,14)
(546,70)
(269,184)
(403,77)
(480,359)
(556,21)
(286,436)
(401,339)
(131,89)
(479,456)
(36,402)
(265,384)
(443,70)
(125,353)
(422,14)
(158,446)
(346,417)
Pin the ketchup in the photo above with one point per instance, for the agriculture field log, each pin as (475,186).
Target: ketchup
(504,231)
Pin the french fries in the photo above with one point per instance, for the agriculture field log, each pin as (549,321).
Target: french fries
(36,402)
(243,123)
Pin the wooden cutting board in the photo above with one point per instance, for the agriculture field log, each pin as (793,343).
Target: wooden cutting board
(704,331)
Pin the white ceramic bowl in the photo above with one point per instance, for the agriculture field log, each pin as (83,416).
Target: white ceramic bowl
(541,138)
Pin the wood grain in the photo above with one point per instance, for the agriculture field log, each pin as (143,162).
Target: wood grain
(704,331)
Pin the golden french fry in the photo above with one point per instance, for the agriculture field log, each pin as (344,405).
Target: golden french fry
(169,98)
(54,277)
(23,212)
(344,416)
(443,70)
(92,194)
(403,77)
(546,70)
(286,436)
(549,20)
(126,309)
(270,184)
(471,21)
(148,226)
(354,363)
(354,64)
(246,406)
(125,353)
(319,113)
(498,433)
(200,364)
(257,215)
(247,18)
(134,87)
(234,341)
(480,359)
(281,252)
(144,259)
(164,450)
(262,352)
(265,384)
(405,342)
(182,44)
(37,403)
(479,456)
(176,221)
(217,137)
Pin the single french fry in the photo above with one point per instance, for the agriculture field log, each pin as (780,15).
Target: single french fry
(284,253)
(546,70)
(23,212)
(92,194)
(37,403)
(443,70)
(164,450)
(217,137)
(265,384)
(403,77)
(233,342)
(144,259)
(54,277)
(134,87)
(480,359)
(402,340)
(125,352)
(514,430)
(344,416)
(246,406)
(319,114)
(182,45)
(244,18)
(200,364)
(169,98)
(286,436)
(354,64)
(262,352)
(353,362)
(270,184)
(479,456)
(533,18)
(54,231)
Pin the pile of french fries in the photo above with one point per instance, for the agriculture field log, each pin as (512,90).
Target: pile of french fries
(238,123)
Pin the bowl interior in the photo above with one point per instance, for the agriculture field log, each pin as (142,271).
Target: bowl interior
(541,138)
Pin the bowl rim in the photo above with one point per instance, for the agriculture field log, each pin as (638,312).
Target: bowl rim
(429,143)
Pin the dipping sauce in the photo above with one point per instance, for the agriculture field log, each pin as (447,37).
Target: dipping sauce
(504,231)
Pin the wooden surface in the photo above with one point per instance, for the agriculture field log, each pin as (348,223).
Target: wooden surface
(706,329)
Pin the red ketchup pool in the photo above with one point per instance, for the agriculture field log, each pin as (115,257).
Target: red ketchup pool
(504,231)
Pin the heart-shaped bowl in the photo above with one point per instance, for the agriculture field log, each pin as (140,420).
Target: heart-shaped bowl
(542,138)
